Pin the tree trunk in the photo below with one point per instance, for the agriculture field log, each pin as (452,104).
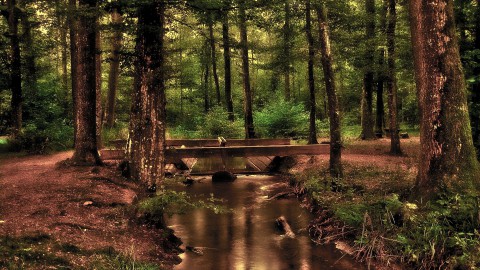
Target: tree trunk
(336,169)
(98,84)
(476,86)
(63,28)
(73,25)
(286,50)
(86,150)
(228,66)
(312,137)
(392,80)
(247,107)
(213,58)
(113,75)
(368,78)
(146,147)
(380,114)
(15,67)
(447,157)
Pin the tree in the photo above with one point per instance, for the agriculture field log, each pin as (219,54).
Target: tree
(146,143)
(113,75)
(336,169)
(227,62)
(392,80)
(312,134)
(368,77)
(213,57)
(12,14)
(381,76)
(85,81)
(447,156)
(247,92)
(476,85)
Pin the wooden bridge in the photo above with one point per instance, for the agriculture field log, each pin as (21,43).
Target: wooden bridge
(259,153)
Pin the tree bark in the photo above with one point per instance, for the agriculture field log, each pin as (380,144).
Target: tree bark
(247,92)
(73,25)
(228,66)
(98,84)
(146,147)
(85,81)
(15,67)
(63,28)
(206,78)
(312,134)
(336,169)
(368,77)
(476,86)
(392,80)
(447,159)
(380,113)
(213,58)
(113,75)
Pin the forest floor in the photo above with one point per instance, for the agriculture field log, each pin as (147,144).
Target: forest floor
(54,216)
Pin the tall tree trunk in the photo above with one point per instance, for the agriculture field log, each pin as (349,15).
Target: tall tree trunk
(73,25)
(146,148)
(286,49)
(63,28)
(380,113)
(247,105)
(213,58)
(15,67)
(447,157)
(113,75)
(336,169)
(86,150)
(475,114)
(228,66)
(368,77)
(392,80)
(312,134)
(98,84)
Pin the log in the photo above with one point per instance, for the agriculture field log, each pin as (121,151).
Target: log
(285,227)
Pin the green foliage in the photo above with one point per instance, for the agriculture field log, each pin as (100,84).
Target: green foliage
(216,124)
(37,140)
(282,119)
(119,131)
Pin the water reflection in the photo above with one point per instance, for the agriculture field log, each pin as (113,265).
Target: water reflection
(248,237)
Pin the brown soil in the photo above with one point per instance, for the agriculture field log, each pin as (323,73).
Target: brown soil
(82,206)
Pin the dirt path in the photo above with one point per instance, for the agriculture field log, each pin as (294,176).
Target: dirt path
(80,206)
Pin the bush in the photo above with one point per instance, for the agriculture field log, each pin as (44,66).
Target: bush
(282,119)
(216,124)
(44,139)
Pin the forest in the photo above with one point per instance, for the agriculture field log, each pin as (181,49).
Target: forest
(390,87)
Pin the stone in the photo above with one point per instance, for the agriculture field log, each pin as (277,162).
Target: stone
(223,176)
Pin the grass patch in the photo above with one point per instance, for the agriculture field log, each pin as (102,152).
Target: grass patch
(41,252)
(372,204)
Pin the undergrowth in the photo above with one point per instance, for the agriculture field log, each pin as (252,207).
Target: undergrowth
(40,251)
(371,208)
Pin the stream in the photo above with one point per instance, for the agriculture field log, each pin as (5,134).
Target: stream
(247,237)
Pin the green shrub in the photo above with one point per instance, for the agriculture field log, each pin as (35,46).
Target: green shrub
(282,119)
(216,124)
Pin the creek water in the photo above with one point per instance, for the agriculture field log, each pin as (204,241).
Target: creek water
(247,237)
